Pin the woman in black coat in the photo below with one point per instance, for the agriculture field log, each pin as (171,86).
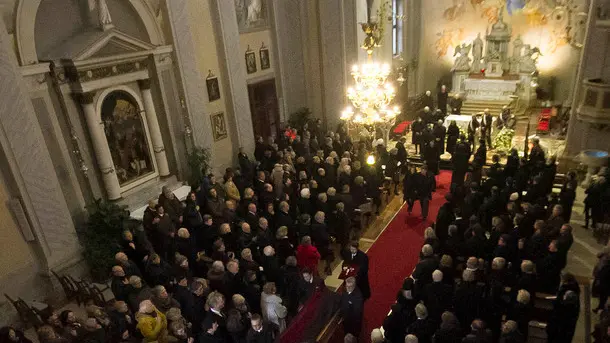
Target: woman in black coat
(453,132)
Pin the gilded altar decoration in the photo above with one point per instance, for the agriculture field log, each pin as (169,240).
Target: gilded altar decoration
(447,39)
(127,138)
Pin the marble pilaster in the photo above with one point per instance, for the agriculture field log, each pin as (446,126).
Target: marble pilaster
(31,169)
(236,74)
(289,42)
(192,82)
(101,148)
(153,127)
(339,51)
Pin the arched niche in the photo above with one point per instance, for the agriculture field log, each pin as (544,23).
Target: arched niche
(121,110)
(25,23)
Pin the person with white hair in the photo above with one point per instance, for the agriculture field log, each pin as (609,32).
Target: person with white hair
(305,203)
(521,311)
(437,296)
(423,327)
(152,324)
(377,336)
(426,265)
(411,339)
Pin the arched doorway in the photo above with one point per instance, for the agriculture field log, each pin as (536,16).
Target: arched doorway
(127,137)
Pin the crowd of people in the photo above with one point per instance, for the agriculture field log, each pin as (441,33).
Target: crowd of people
(241,256)
(495,244)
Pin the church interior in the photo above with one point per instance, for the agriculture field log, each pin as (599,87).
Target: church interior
(332,118)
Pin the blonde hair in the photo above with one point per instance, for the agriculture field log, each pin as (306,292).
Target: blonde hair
(523,297)
(214,299)
(269,288)
(331,191)
(429,233)
(183,233)
(282,231)
(446,261)
(498,263)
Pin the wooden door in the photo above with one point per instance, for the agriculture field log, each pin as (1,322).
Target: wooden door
(264,108)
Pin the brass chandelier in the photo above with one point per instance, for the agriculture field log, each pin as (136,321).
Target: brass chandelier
(372,95)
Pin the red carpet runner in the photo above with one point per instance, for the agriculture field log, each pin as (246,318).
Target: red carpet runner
(394,255)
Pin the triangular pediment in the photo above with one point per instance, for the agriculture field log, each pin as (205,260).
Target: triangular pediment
(94,44)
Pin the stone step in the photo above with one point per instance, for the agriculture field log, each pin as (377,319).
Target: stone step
(140,197)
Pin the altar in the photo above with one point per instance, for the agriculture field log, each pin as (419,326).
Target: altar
(492,74)
(489,89)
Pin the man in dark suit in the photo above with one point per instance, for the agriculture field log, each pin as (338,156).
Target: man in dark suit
(426,183)
(460,161)
(486,124)
(283,218)
(423,328)
(252,216)
(352,307)
(307,286)
(353,256)
(215,318)
(426,265)
(438,296)
(261,331)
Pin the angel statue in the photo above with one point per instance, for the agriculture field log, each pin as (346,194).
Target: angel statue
(105,22)
(477,53)
(527,63)
(462,63)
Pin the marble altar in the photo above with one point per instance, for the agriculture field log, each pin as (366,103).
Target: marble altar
(501,75)
(490,89)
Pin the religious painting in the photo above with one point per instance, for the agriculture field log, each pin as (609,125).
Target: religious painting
(127,139)
(252,15)
(264,55)
(250,61)
(447,39)
(212,85)
(219,126)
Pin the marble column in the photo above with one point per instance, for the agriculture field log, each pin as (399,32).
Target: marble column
(193,84)
(101,148)
(30,170)
(236,74)
(154,128)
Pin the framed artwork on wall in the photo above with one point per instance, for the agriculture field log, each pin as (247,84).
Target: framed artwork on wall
(250,61)
(264,56)
(213,88)
(252,15)
(219,126)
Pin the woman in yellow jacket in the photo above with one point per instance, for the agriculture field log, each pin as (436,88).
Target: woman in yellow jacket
(151,323)
(231,189)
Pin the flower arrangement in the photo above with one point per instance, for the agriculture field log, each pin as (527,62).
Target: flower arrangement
(503,141)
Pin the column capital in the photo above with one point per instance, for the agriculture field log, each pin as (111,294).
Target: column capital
(144,84)
(86,98)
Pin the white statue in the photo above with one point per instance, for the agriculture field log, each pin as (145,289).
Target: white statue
(526,63)
(462,63)
(477,53)
(516,59)
(254,11)
(105,21)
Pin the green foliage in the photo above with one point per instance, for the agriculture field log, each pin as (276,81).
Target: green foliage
(299,118)
(504,140)
(102,235)
(199,162)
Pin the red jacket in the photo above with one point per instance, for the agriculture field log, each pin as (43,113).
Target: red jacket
(308,257)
